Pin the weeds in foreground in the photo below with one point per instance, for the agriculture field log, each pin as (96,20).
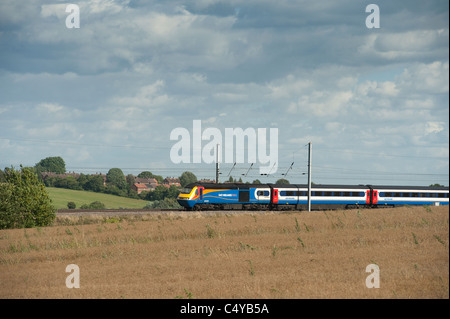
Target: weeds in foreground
(251,271)
(188,294)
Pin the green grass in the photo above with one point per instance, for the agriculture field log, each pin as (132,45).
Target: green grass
(60,197)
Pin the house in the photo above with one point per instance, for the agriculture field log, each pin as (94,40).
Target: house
(168,181)
(140,187)
(205,180)
(144,184)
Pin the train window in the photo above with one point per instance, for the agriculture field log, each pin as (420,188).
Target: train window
(337,193)
(386,194)
(186,190)
(346,194)
(423,194)
(406,194)
(441,195)
(262,193)
(357,194)
(327,194)
(302,193)
(414,194)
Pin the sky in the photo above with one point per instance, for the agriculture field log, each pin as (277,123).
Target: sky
(373,102)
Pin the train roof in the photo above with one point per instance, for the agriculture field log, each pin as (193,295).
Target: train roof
(314,186)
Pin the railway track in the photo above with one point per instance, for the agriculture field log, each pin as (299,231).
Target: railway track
(157,211)
(126,210)
(115,212)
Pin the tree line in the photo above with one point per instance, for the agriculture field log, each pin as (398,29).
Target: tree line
(116,183)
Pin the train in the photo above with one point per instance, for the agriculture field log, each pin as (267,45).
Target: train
(237,196)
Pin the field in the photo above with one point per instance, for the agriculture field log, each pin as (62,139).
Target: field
(60,197)
(321,254)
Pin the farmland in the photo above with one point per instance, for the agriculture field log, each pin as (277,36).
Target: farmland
(60,197)
(322,254)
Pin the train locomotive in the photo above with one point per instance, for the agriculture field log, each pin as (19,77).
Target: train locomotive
(230,196)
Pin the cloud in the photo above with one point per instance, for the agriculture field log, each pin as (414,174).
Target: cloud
(434,127)
(137,69)
(432,78)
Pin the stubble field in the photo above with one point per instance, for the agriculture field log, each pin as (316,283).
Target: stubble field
(251,255)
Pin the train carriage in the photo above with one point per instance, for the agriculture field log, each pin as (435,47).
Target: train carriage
(409,195)
(279,197)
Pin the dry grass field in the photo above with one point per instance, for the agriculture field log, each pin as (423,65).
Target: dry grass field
(252,255)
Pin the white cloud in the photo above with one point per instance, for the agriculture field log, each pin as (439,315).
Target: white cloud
(434,127)
(50,107)
(427,78)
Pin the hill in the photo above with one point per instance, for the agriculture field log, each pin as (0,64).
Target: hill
(61,196)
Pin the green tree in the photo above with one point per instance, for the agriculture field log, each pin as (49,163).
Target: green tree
(24,202)
(282,181)
(91,183)
(172,192)
(147,174)
(116,177)
(130,180)
(187,178)
(159,193)
(51,164)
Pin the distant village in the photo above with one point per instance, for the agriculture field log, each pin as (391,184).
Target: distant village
(139,184)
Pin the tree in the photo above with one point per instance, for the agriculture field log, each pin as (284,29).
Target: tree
(187,178)
(24,201)
(91,183)
(130,180)
(159,193)
(51,164)
(147,174)
(116,177)
(282,181)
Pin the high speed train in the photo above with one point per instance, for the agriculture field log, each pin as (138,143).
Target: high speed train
(228,196)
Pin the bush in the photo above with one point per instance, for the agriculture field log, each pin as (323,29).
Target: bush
(93,205)
(24,202)
(71,205)
(166,203)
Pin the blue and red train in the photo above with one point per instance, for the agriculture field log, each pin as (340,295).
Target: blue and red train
(211,196)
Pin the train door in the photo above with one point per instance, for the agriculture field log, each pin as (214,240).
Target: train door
(275,196)
(244,196)
(200,193)
(374,197)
